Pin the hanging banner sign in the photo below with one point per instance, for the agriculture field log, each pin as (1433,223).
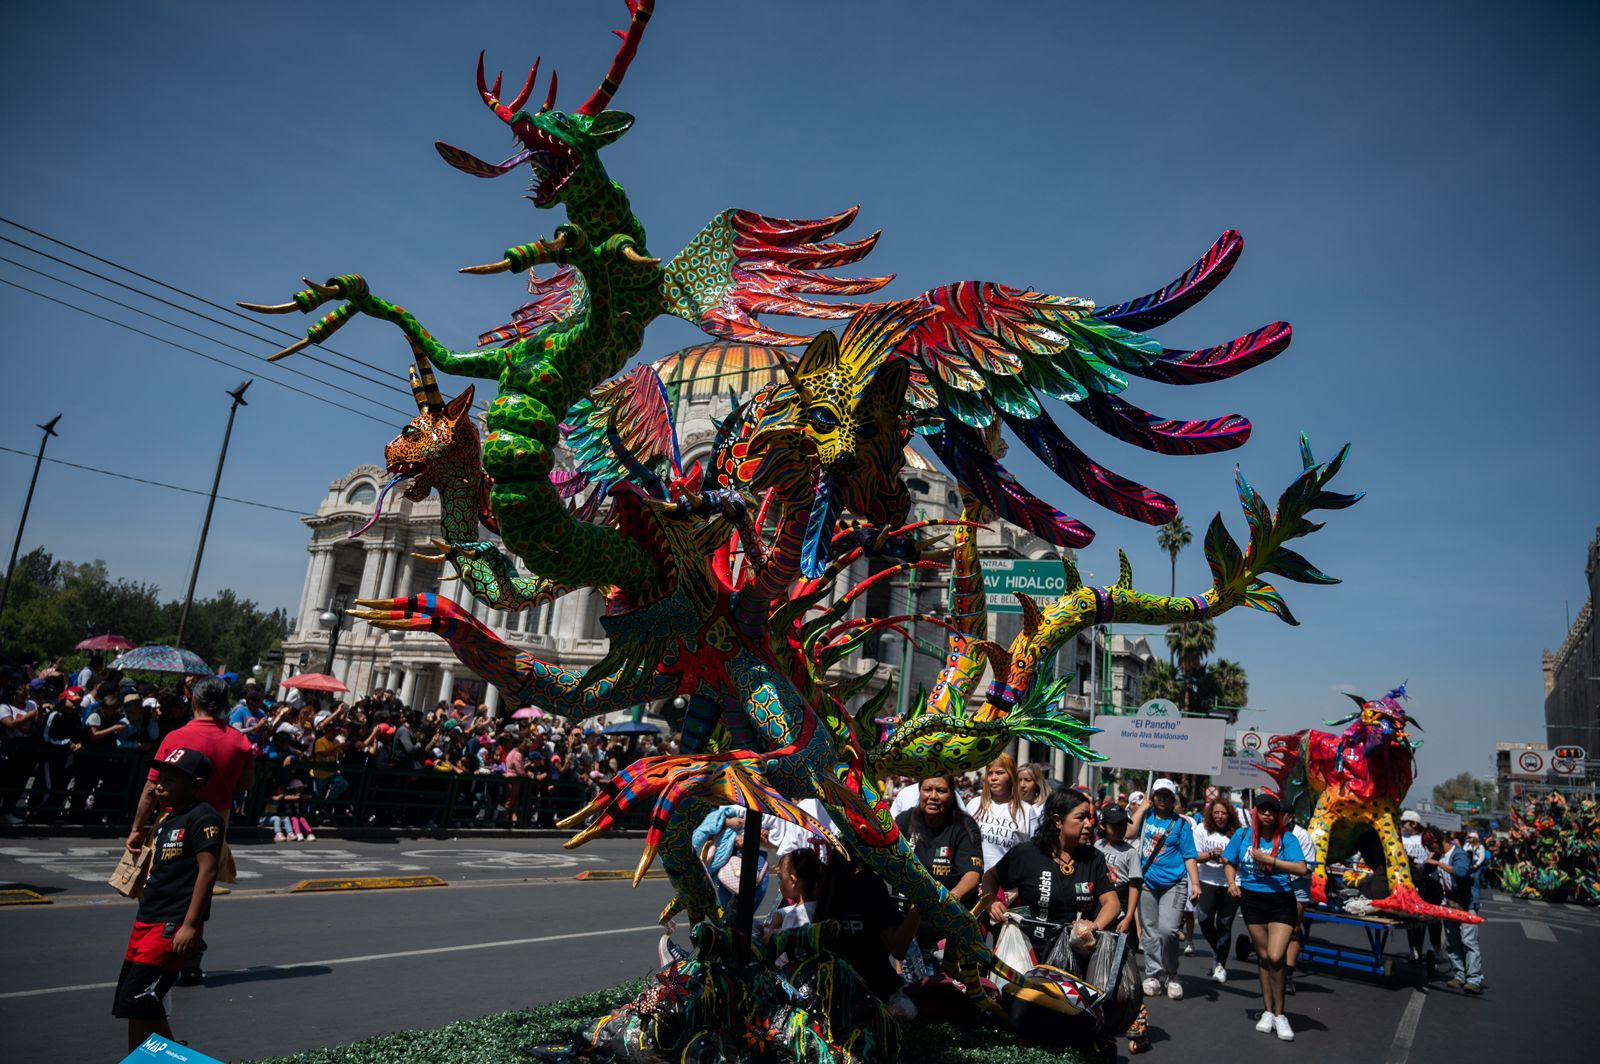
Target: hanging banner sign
(1156,738)
(1045,581)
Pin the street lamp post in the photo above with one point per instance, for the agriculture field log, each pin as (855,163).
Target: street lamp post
(332,618)
(27,504)
(211,503)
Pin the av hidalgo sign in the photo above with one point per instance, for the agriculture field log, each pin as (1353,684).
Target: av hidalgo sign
(1159,738)
(1042,580)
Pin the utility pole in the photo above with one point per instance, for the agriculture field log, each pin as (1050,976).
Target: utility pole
(16,544)
(211,503)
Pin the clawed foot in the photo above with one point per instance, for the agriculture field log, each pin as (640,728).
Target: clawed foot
(351,287)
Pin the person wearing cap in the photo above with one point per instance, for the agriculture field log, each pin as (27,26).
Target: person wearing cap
(1171,877)
(1411,840)
(62,735)
(169,928)
(1261,862)
(230,770)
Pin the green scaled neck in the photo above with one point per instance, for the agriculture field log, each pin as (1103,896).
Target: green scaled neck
(599,206)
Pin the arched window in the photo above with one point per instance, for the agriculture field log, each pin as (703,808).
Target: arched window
(362,494)
(918,485)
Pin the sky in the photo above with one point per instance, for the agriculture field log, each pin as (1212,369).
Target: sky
(1413,182)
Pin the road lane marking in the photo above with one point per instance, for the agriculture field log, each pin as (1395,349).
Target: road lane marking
(1537,930)
(363,959)
(1406,1033)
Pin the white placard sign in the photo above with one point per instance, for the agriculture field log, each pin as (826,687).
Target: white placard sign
(1442,821)
(1157,738)
(1241,773)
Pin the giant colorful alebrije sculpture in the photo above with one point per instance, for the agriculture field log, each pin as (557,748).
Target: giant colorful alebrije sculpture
(963,359)
(1344,785)
(1552,850)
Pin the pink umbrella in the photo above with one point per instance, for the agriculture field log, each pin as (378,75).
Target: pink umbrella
(315,681)
(107,642)
(527,713)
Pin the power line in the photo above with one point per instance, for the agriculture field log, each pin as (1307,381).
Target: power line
(253,319)
(182,292)
(192,332)
(192,351)
(156,483)
(390,383)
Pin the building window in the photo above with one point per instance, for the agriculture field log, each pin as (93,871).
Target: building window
(918,485)
(361,495)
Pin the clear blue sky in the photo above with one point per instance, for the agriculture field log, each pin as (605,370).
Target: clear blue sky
(1414,183)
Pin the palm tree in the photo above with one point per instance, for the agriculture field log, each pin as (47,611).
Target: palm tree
(1172,537)
(1231,683)
(1161,680)
(1191,642)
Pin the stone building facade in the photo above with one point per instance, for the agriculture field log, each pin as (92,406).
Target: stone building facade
(1572,674)
(420,666)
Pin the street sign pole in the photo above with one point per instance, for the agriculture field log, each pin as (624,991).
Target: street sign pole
(27,504)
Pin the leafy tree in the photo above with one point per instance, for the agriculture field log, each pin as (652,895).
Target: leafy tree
(1172,537)
(1222,683)
(1465,788)
(1161,681)
(52,606)
(1192,642)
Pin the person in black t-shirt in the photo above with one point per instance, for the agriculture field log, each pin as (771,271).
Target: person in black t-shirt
(945,838)
(872,931)
(1058,875)
(176,899)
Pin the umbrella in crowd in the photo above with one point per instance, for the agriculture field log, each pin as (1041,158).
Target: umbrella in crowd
(315,681)
(158,658)
(630,727)
(528,713)
(106,642)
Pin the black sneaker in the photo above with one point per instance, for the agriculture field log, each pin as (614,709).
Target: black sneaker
(191,977)
(1288,985)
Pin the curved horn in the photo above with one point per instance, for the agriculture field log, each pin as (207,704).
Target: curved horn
(425,388)
(640,10)
(491,96)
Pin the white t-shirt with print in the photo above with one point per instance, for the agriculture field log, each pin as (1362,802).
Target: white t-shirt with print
(1206,839)
(1001,830)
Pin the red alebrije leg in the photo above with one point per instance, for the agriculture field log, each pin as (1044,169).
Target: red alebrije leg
(1406,900)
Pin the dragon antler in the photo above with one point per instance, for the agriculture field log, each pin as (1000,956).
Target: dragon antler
(640,11)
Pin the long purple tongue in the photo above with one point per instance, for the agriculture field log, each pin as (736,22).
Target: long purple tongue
(377,507)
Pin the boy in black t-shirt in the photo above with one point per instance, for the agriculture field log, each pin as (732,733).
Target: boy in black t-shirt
(176,899)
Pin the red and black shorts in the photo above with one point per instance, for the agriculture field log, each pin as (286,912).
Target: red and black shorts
(149,968)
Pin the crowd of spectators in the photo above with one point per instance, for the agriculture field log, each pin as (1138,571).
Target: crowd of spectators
(71,743)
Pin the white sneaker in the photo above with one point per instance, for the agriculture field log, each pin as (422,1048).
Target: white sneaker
(1280,1025)
(1152,987)
(1219,974)
(280,837)
(311,838)
(1264,1025)
(1174,990)
(901,1007)
(297,837)
(1188,949)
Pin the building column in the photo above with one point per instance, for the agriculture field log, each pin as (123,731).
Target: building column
(491,698)
(393,681)
(323,588)
(541,624)
(371,570)
(447,680)
(408,566)
(1058,764)
(408,687)
(306,589)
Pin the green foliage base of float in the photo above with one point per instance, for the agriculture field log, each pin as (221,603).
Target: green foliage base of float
(503,1038)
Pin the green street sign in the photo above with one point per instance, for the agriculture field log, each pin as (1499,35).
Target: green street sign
(1466,807)
(1045,581)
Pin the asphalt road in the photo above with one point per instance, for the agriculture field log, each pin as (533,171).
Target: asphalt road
(514,928)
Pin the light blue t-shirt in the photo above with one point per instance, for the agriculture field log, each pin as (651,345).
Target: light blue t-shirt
(1251,876)
(1168,866)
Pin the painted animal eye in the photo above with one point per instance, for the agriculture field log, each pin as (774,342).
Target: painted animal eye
(410,430)
(822,417)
